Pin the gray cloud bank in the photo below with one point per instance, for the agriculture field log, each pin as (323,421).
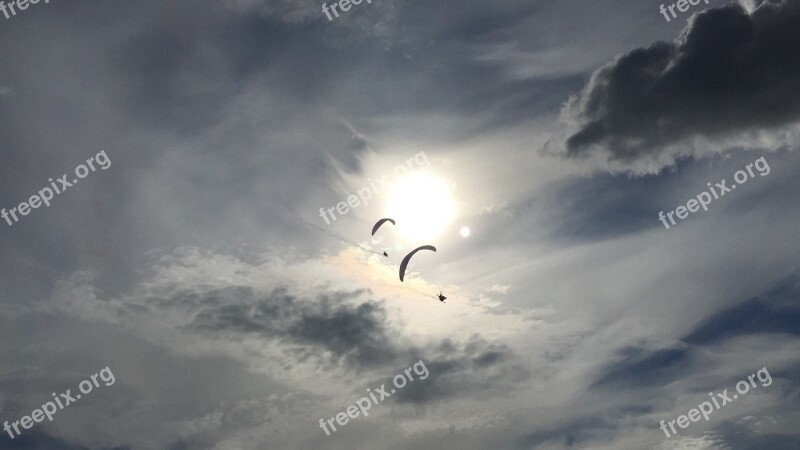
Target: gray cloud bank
(353,333)
(729,72)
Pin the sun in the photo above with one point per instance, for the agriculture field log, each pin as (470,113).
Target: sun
(422,206)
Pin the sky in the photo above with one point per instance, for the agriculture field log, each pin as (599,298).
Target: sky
(209,269)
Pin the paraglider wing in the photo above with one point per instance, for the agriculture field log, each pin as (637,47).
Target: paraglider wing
(408,258)
(379,223)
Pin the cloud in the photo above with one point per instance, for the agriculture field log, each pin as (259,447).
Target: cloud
(728,74)
(36,440)
(291,11)
(772,312)
(356,334)
(692,443)
(475,368)
(499,288)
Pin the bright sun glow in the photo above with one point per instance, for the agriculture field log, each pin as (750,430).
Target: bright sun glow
(465,231)
(422,207)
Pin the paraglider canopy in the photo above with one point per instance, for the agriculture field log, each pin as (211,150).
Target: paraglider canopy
(379,223)
(407,259)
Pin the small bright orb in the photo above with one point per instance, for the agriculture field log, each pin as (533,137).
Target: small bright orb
(422,206)
(465,231)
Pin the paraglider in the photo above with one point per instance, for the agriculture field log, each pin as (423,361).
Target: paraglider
(379,223)
(407,259)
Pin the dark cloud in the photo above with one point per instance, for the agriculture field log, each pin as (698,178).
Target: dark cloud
(741,438)
(729,72)
(355,334)
(644,367)
(765,314)
(474,368)
(776,311)
(331,327)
